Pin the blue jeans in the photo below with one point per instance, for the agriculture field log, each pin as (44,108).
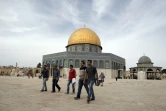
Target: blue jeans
(68,86)
(91,92)
(80,87)
(44,84)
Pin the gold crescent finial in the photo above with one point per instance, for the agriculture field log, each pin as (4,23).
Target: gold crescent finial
(84,25)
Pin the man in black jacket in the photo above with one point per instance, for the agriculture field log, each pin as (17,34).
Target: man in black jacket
(45,74)
(56,75)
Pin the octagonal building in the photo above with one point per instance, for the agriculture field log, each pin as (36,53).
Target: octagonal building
(84,44)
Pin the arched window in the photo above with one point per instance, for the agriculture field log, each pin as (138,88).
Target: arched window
(76,48)
(48,64)
(65,63)
(101,64)
(56,63)
(77,64)
(107,64)
(95,63)
(61,63)
(83,48)
(70,62)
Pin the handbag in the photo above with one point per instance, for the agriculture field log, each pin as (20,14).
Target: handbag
(73,80)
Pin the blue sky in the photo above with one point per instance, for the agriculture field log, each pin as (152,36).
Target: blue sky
(127,28)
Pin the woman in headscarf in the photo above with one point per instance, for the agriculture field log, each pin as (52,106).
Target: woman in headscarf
(101,77)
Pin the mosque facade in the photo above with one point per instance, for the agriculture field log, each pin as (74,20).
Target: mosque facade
(84,44)
(145,69)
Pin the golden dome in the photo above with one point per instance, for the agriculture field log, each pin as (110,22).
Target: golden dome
(84,35)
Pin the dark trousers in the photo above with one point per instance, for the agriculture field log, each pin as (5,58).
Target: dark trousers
(55,83)
(80,87)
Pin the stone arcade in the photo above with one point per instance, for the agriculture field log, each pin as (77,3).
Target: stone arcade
(84,44)
(145,69)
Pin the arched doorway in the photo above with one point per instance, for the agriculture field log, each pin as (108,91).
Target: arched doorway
(150,74)
(134,74)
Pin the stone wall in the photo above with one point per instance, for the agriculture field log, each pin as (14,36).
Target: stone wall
(5,71)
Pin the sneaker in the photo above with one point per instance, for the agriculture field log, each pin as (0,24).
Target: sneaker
(76,98)
(52,91)
(45,90)
(88,101)
(92,99)
(66,93)
(41,90)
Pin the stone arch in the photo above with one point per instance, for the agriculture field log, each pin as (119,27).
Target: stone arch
(150,74)
(48,64)
(83,48)
(53,62)
(107,64)
(134,70)
(70,62)
(37,71)
(60,63)
(65,63)
(149,69)
(101,64)
(157,70)
(56,63)
(77,63)
(76,48)
(140,69)
(95,63)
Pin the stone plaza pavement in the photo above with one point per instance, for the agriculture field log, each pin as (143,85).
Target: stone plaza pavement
(23,94)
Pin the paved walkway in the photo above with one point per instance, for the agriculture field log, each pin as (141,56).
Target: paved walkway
(23,94)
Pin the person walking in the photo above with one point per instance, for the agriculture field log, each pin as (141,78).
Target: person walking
(101,78)
(91,74)
(45,74)
(56,75)
(82,80)
(72,75)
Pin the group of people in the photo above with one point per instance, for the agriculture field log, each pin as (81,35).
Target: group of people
(87,77)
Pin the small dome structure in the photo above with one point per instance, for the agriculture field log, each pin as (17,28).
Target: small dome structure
(144,59)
